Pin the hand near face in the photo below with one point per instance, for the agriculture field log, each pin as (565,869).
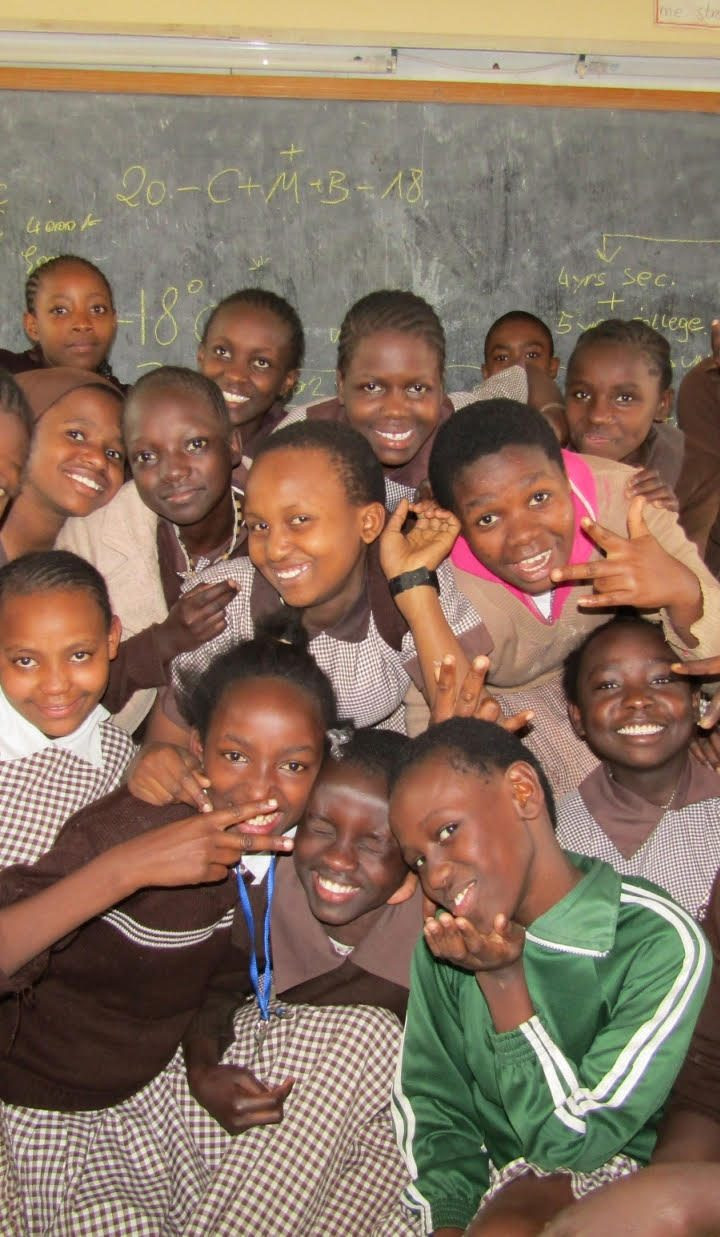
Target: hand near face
(458,941)
(162,773)
(236,1098)
(426,544)
(197,617)
(470,698)
(635,570)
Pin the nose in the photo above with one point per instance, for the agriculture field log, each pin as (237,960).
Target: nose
(175,465)
(599,411)
(435,877)
(340,857)
(521,530)
(277,543)
(55,679)
(636,695)
(93,454)
(81,320)
(258,783)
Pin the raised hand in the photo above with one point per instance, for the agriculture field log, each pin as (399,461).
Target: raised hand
(236,1098)
(196,617)
(458,941)
(198,850)
(426,544)
(162,773)
(470,698)
(648,484)
(636,571)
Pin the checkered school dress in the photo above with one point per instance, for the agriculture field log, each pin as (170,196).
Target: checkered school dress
(692,831)
(39,793)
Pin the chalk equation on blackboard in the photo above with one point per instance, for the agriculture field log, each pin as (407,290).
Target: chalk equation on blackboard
(333,187)
(628,290)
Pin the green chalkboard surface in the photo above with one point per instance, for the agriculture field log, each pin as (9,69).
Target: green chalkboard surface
(575,214)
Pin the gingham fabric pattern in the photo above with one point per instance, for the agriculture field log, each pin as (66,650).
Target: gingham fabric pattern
(39,793)
(369,677)
(580,1183)
(331,1167)
(507,384)
(682,854)
(127,1171)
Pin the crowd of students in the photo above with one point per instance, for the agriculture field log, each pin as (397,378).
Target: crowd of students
(361,804)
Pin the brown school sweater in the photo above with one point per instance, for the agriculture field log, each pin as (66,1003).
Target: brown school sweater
(109,1005)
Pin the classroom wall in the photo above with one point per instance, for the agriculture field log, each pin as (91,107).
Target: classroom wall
(617,26)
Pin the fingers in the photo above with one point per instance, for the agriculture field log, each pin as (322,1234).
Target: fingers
(398,517)
(263,843)
(472,694)
(706,750)
(711,714)
(636,518)
(517,721)
(210,593)
(706,666)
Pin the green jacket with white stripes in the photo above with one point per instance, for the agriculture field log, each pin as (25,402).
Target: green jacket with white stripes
(617,973)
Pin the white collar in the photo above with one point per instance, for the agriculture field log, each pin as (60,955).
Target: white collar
(257,865)
(20,739)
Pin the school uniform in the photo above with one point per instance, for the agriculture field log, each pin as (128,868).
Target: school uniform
(663,450)
(368,655)
(617,974)
(44,781)
(331,1166)
(677,847)
(527,645)
(143,561)
(32,358)
(698,415)
(274,417)
(87,1031)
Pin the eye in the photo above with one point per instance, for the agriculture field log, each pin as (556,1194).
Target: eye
(487,520)
(197,444)
(532,354)
(540,497)
(294,766)
(418,388)
(99,309)
(625,397)
(262,362)
(418,863)
(446,832)
(372,388)
(371,845)
(300,519)
(606,685)
(58,311)
(501,356)
(76,435)
(25,662)
(235,758)
(580,394)
(219,350)
(319,828)
(144,457)
(257,526)
(118,457)
(661,680)
(81,655)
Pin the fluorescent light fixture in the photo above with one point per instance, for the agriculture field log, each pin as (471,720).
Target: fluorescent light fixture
(86,51)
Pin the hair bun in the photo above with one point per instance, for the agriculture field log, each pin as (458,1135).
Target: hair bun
(284,626)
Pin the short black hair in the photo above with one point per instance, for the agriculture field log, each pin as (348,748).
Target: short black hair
(625,619)
(350,454)
(473,746)
(188,382)
(48,571)
(632,333)
(389,309)
(520,315)
(261,298)
(13,402)
(278,650)
(485,428)
(373,751)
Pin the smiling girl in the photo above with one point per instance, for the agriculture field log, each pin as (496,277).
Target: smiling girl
(548,542)
(649,808)
(77,457)
(551,1001)
(91,1068)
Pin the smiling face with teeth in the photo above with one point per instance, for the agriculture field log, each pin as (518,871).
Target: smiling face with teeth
(348,861)
(392,391)
(247,351)
(633,712)
(265,740)
(516,512)
(304,533)
(77,457)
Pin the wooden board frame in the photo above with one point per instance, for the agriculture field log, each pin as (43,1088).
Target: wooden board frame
(391,90)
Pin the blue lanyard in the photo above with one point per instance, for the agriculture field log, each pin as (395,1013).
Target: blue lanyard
(262,990)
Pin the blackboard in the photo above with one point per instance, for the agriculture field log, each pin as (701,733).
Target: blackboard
(573,213)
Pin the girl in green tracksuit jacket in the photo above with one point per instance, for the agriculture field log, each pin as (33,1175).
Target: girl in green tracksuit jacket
(552,1000)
